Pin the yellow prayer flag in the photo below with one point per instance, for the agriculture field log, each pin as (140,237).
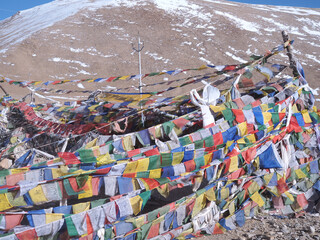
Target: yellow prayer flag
(14,139)
(256,162)
(177,157)
(289,195)
(247,210)
(233,164)
(4,203)
(217,108)
(300,173)
(306,116)
(207,158)
(142,165)
(139,222)
(87,189)
(264,107)
(124,77)
(80,207)
(97,119)
(136,204)
(294,108)
(158,220)
(254,187)
(243,129)
(232,208)
(158,131)
(210,194)
(274,190)
(226,148)
(199,204)
(177,130)
(14,200)
(104,159)
(163,190)
(37,195)
(127,143)
(270,128)
(91,143)
(241,141)
(52,217)
(251,138)
(131,167)
(267,178)
(93,107)
(61,108)
(224,193)
(56,172)
(155,173)
(314,109)
(256,197)
(203,67)
(267,116)
(18,170)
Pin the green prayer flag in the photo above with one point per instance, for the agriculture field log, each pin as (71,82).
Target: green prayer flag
(167,127)
(145,197)
(208,141)
(72,231)
(166,159)
(87,156)
(199,162)
(69,189)
(154,162)
(185,141)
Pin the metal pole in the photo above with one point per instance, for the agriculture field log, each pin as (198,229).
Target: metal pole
(140,80)
(138,50)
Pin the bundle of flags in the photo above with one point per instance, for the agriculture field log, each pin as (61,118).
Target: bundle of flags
(178,179)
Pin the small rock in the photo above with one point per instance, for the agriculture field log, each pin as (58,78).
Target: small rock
(312,230)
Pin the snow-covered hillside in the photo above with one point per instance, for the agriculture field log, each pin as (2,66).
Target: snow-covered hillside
(72,39)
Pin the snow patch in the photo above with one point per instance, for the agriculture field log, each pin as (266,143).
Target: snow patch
(312,57)
(185,43)
(289,10)
(85,72)
(156,57)
(290,29)
(27,22)
(235,57)
(76,50)
(243,24)
(206,60)
(311,32)
(224,3)
(57,59)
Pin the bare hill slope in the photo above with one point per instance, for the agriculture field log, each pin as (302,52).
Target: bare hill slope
(73,39)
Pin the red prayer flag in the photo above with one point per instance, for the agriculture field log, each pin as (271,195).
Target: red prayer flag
(27,235)
(301,199)
(12,220)
(69,158)
(239,115)
(180,122)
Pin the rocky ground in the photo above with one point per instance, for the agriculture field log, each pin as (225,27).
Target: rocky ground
(267,227)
